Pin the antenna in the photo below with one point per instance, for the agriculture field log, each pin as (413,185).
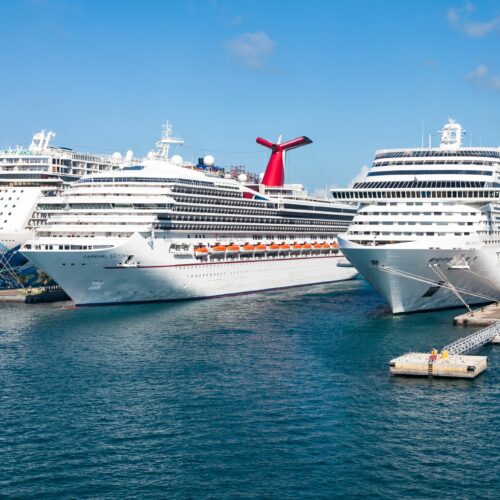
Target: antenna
(275,171)
(167,139)
(422,134)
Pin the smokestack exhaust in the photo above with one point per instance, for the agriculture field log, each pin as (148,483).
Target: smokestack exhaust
(275,171)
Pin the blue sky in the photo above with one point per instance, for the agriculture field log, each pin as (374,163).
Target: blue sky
(352,75)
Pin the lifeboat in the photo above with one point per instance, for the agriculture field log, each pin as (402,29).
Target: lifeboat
(325,247)
(218,250)
(306,247)
(296,247)
(273,247)
(248,248)
(232,249)
(201,251)
(260,247)
(335,247)
(316,246)
(284,248)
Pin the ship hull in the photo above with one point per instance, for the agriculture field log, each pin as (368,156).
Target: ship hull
(103,276)
(418,279)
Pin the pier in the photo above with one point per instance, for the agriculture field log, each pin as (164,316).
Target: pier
(454,361)
(34,295)
(483,316)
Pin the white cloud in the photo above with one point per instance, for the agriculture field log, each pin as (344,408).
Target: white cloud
(460,19)
(495,83)
(252,49)
(360,177)
(480,72)
(482,77)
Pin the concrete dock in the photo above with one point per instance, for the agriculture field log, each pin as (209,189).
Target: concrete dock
(34,295)
(452,366)
(484,316)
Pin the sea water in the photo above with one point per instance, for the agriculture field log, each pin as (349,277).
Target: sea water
(271,395)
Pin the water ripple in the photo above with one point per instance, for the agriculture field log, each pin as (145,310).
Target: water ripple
(275,395)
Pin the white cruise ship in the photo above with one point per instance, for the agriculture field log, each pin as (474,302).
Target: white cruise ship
(165,230)
(427,235)
(26,174)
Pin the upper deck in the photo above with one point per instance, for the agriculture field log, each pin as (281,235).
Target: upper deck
(447,171)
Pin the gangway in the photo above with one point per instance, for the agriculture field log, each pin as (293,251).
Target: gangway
(474,341)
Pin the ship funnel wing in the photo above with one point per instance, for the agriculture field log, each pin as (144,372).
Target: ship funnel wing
(275,171)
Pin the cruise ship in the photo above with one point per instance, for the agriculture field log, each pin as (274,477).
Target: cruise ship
(26,174)
(427,234)
(166,230)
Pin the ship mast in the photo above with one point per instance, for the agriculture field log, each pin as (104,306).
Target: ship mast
(167,139)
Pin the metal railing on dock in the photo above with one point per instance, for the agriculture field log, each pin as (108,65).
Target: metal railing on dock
(474,341)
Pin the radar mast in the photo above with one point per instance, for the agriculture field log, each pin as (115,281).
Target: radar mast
(451,135)
(167,139)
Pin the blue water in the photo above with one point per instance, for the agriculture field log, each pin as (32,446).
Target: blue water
(274,395)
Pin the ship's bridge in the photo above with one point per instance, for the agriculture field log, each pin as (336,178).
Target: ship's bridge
(447,171)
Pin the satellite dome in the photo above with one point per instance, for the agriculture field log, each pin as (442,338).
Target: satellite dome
(151,155)
(129,156)
(243,177)
(117,156)
(208,161)
(176,159)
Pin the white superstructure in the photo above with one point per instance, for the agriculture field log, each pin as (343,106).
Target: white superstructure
(163,231)
(41,169)
(427,235)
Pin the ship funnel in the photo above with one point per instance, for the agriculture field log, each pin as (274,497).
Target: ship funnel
(275,171)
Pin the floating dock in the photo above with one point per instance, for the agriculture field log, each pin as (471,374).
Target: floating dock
(454,361)
(453,366)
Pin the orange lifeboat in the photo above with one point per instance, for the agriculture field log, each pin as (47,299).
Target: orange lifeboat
(296,247)
(306,246)
(260,247)
(232,249)
(284,247)
(325,247)
(273,247)
(316,246)
(334,245)
(248,248)
(218,249)
(201,251)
